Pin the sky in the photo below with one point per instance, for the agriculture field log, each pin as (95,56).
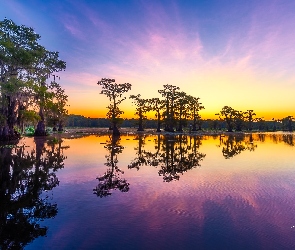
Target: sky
(239,53)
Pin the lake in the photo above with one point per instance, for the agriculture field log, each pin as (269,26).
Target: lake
(149,192)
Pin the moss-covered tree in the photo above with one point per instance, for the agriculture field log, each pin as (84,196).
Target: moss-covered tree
(24,65)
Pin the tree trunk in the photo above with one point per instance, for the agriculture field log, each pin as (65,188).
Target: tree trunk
(179,129)
(116,131)
(159,123)
(140,127)
(60,127)
(194,122)
(40,130)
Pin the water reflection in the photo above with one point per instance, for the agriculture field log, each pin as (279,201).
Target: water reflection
(233,145)
(111,179)
(287,138)
(141,155)
(173,154)
(244,202)
(24,175)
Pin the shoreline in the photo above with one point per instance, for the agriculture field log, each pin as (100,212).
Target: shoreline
(81,132)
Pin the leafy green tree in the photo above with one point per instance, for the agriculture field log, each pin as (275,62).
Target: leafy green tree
(114,92)
(28,117)
(56,110)
(25,64)
(142,107)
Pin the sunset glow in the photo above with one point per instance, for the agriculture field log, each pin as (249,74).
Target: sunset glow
(235,53)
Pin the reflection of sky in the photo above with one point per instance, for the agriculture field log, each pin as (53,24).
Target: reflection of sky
(237,53)
(246,202)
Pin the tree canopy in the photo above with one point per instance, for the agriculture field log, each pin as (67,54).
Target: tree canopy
(114,92)
(25,67)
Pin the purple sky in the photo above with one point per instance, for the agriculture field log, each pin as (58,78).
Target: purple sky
(237,53)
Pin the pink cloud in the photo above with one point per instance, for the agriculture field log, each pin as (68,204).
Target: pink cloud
(73,26)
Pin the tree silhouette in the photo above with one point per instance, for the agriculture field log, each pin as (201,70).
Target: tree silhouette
(287,123)
(195,107)
(157,105)
(275,121)
(142,106)
(111,180)
(24,175)
(249,116)
(238,120)
(114,92)
(181,109)
(170,95)
(261,123)
(227,114)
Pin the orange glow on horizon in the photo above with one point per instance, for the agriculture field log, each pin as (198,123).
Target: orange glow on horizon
(129,114)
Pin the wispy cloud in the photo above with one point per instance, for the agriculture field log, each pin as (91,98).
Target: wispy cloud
(214,48)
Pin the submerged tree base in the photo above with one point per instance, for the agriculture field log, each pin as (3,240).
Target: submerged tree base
(116,131)
(40,130)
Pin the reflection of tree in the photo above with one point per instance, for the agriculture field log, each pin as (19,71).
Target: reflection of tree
(111,179)
(24,176)
(174,155)
(286,138)
(179,156)
(289,139)
(234,145)
(140,158)
(261,137)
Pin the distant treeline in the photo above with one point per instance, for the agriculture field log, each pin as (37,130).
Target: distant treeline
(208,124)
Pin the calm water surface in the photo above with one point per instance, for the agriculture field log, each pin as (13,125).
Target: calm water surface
(149,192)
